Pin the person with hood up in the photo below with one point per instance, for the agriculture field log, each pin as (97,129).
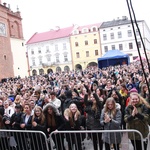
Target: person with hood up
(111,120)
(54,122)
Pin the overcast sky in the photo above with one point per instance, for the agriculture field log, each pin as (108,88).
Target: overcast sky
(43,15)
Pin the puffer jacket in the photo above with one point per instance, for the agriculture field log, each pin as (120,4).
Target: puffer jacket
(138,122)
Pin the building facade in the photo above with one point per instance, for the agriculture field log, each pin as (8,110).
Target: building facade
(13,62)
(118,34)
(50,51)
(85,46)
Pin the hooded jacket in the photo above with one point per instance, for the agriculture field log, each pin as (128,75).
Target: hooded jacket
(60,123)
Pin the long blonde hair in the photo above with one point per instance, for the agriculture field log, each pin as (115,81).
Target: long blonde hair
(70,115)
(107,110)
(41,117)
(142,100)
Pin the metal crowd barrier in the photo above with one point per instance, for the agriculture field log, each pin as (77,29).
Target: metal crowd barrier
(61,140)
(148,138)
(79,140)
(23,140)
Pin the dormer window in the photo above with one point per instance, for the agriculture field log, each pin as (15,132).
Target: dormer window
(75,32)
(94,29)
(85,30)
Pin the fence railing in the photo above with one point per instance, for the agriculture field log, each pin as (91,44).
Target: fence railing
(23,140)
(148,138)
(95,139)
(71,140)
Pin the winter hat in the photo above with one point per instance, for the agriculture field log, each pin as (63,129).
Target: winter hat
(133,90)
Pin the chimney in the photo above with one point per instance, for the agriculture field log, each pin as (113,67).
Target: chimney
(57,28)
(9,6)
(124,18)
(4,4)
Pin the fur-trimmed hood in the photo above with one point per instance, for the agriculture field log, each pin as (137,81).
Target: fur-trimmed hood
(56,111)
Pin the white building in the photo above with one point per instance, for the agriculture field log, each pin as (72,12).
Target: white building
(50,51)
(19,54)
(118,34)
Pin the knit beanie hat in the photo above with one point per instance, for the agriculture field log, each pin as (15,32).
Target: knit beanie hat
(133,90)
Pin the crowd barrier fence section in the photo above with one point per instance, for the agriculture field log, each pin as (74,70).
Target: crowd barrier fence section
(148,138)
(61,140)
(23,140)
(79,140)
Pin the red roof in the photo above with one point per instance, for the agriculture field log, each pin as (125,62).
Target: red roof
(89,26)
(50,35)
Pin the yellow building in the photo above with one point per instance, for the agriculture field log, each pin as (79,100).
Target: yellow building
(85,46)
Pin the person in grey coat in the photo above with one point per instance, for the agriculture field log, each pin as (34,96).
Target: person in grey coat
(111,120)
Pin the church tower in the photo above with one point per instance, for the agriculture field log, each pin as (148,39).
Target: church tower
(11,37)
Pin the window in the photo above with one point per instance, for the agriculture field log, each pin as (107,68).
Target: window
(57,58)
(77,55)
(64,46)
(47,49)
(32,52)
(139,44)
(39,50)
(84,30)
(130,46)
(96,52)
(104,37)
(95,41)
(106,48)
(76,44)
(65,57)
(137,33)
(119,34)
(113,47)
(40,60)
(48,57)
(76,32)
(120,47)
(86,42)
(87,53)
(112,36)
(56,47)
(33,62)
(129,33)
(94,29)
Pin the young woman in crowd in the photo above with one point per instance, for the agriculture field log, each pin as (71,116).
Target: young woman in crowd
(26,124)
(111,120)
(93,107)
(38,124)
(136,117)
(73,122)
(54,122)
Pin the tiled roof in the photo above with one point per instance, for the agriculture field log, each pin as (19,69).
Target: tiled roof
(50,35)
(89,26)
(117,22)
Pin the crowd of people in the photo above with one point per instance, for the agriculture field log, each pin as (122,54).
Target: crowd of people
(111,98)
